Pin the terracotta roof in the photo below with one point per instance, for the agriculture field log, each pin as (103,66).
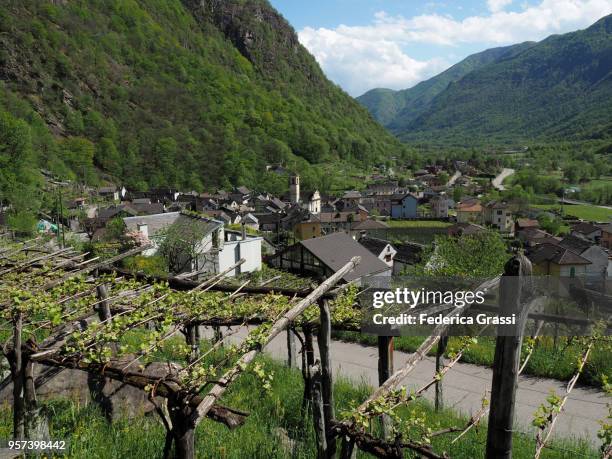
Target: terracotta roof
(473,205)
(527,223)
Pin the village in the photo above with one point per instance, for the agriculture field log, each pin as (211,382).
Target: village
(388,223)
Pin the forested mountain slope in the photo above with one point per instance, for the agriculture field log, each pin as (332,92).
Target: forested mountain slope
(399,107)
(555,90)
(192,94)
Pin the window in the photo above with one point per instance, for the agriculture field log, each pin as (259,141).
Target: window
(572,271)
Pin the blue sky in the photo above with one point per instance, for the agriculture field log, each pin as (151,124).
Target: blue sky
(364,44)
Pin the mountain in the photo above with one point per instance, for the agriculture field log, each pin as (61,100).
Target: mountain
(556,89)
(387,105)
(193,94)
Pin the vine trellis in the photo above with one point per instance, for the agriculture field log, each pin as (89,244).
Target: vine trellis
(59,309)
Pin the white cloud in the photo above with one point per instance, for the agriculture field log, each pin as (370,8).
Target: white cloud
(359,64)
(497,5)
(363,57)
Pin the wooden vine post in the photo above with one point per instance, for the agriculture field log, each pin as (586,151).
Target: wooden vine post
(308,351)
(506,362)
(98,383)
(291,356)
(385,370)
(318,410)
(207,402)
(17,373)
(440,351)
(324,342)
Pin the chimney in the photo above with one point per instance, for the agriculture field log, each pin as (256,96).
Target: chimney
(143,229)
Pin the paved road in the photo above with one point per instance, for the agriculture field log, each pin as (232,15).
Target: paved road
(465,385)
(453,179)
(584,203)
(498,181)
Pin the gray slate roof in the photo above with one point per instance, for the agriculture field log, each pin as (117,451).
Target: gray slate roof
(336,249)
(555,254)
(575,244)
(156,223)
(374,245)
(370,224)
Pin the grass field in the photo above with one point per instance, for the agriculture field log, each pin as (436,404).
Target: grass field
(417,224)
(585,212)
(276,428)
(547,360)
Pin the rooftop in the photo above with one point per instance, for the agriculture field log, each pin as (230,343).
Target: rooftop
(557,255)
(336,250)
(370,224)
(585,228)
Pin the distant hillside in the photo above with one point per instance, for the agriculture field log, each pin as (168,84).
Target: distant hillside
(194,94)
(556,89)
(390,107)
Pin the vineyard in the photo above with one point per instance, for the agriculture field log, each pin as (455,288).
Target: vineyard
(62,310)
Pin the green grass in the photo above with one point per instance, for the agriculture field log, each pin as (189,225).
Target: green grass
(584,212)
(547,360)
(417,224)
(91,436)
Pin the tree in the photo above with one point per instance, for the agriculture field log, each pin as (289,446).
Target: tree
(179,244)
(18,178)
(479,255)
(79,154)
(107,156)
(457,193)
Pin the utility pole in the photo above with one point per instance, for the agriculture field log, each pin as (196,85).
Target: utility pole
(61,233)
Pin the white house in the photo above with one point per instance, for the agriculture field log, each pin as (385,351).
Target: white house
(314,202)
(383,250)
(215,249)
(596,254)
(439,206)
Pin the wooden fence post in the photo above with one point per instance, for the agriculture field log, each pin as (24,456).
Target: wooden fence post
(506,364)
(441,349)
(183,430)
(291,357)
(324,341)
(309,360)
(318,412)
(98,383)
(17,373)
(385,370)
(191,336)
(217,334)
(348,450)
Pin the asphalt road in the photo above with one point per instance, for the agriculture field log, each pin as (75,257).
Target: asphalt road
(465,385)
(498,181)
